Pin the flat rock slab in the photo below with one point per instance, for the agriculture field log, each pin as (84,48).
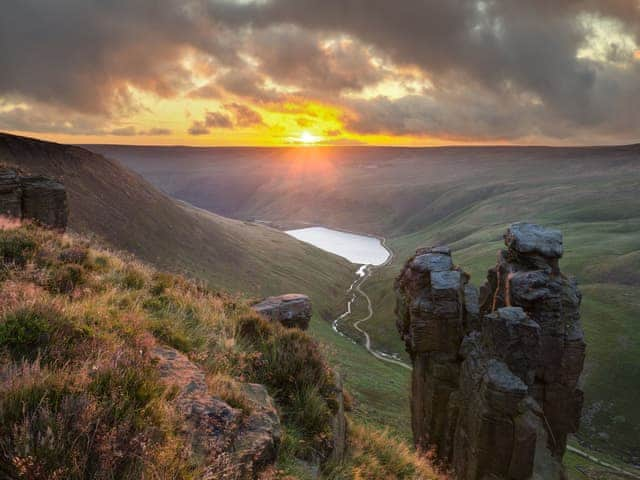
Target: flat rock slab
(432,262)
(291,310)
(446,280)
(531,238)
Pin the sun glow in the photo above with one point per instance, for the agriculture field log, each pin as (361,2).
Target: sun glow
(307,138)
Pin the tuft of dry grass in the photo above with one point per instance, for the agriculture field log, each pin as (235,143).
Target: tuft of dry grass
(376,454)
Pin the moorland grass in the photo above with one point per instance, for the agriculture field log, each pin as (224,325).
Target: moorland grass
(81,398)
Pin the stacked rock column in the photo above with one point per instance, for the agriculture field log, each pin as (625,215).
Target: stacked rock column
(432,320)
(527,275)
(495,372)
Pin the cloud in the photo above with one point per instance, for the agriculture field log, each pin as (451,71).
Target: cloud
(550,70)
(244,116)
(44,119)
(124,131)
(130,131)
(156,132)
(234,115)
(208,91)
(500,49)
(217,120)
(296,57)
(198,128)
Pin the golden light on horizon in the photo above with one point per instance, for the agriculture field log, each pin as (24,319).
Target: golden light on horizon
(307,138)
(636,54)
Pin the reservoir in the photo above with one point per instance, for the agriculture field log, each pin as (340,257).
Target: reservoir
(359,249)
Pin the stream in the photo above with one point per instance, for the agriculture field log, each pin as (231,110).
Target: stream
(367,251)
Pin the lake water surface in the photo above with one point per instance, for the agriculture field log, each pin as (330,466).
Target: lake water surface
(358,249)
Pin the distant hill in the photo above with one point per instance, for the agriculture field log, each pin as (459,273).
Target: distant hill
(109,201)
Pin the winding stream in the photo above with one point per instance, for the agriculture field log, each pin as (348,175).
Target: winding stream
(367,251)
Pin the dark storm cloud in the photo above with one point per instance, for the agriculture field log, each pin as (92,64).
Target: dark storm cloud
(248,83)
(492,47)
(234,115)
(293,56)
(85,54)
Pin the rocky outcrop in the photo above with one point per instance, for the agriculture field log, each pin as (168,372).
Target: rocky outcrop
(291,310)
(235,447)
(294,310)
(33,197)
(495,371)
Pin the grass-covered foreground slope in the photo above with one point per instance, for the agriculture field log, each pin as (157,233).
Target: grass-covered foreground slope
(117,205)
(81,397)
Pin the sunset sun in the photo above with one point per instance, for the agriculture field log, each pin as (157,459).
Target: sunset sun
(307,138)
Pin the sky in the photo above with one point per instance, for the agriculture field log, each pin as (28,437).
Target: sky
(326,72)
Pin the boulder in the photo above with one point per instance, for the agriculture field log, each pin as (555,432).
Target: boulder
(529,238)
(292,310)
(256,446)
(235,447)
(45,201)
(37,198)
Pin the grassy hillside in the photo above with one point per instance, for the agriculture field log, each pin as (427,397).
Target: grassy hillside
(120,207)
(464,197)
(82,397)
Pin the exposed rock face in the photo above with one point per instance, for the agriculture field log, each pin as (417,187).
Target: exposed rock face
(494,384)
(235,447)
(33,197)
(291,310)
(10,194)
(527,275)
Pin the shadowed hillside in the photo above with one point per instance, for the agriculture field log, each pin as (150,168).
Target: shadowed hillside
(120,207)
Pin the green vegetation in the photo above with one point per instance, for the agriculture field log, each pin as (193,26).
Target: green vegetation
(461,196)
(464,197)
(82,398)
(609,311)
